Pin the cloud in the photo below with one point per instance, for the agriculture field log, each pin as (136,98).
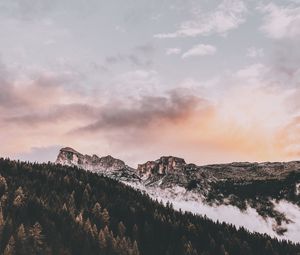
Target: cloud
(281,22)
(253,52)
(229,15)
(57,113)
(173,51)
(200,50)
(145,112)
(40,154)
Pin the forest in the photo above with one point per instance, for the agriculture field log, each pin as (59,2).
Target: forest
(53,209)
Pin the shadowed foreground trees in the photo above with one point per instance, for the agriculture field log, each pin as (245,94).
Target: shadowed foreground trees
(51,209)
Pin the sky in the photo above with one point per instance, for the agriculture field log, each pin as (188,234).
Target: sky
(209,81)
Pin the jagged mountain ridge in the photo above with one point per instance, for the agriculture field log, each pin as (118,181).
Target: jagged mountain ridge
(262,187)
(108,166)
(170,165)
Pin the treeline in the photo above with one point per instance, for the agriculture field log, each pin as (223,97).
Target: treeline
(51,209)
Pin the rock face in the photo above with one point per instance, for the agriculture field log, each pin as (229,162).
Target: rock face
(108,166)
(162,166)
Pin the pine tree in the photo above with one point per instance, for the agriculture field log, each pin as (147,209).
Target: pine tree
(135,232)
(102,240)
(19,197)
(135,249)
(65,209)
(121,229)
(85,198)
(95,231)
(88,226)
(269,248)
(79,219)
(21,240)
(97,211)
(188,249)
(2,222)
(105,217)
(37,239)
(71,204)
(3,186)
(10,247)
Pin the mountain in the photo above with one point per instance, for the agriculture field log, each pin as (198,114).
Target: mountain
(264,197)
(108,166)
(53,209)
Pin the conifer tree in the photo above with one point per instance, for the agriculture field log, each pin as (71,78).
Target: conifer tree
(19,197)
(3,186)
(21,234)
(135,249)
(85,198)
(88,226)
(2,222)
(121,229)
(37,239)
(79,219)
(71,204)
(105,217)
(135,232)
(10,247)
(95,231)
(102,240)
(97,211)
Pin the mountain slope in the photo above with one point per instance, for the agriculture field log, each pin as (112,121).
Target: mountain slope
(261,195)
(54,209)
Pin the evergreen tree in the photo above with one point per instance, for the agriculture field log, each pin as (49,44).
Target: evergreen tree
(37,239)
(135,249)
(85,197)
(121,229)
(2,222)
(3,186)
(135,232)
(102,240)
(105,217)
(19,197)
(21,235)
(97,211)
(10,247)
(88,226)
(71,204)
(79,219)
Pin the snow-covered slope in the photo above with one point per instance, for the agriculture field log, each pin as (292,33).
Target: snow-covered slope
(262,197)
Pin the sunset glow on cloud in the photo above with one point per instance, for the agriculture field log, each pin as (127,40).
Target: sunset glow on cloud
(158,92)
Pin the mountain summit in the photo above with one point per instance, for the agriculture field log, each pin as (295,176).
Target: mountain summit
(107,165)
(69,156)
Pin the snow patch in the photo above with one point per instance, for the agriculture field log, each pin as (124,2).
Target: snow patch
(297,189)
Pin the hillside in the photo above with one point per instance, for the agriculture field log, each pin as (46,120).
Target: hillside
(54,209)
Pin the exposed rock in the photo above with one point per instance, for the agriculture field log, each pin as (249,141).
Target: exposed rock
(109,166)
(162,166)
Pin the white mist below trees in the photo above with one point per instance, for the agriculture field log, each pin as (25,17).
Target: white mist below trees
(248,219)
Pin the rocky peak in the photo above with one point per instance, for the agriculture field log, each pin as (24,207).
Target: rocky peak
(70,157)
(162,166)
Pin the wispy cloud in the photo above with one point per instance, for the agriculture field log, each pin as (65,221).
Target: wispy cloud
(253,52)
(281,21)
(228,15)
(200,50)
(173,51)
